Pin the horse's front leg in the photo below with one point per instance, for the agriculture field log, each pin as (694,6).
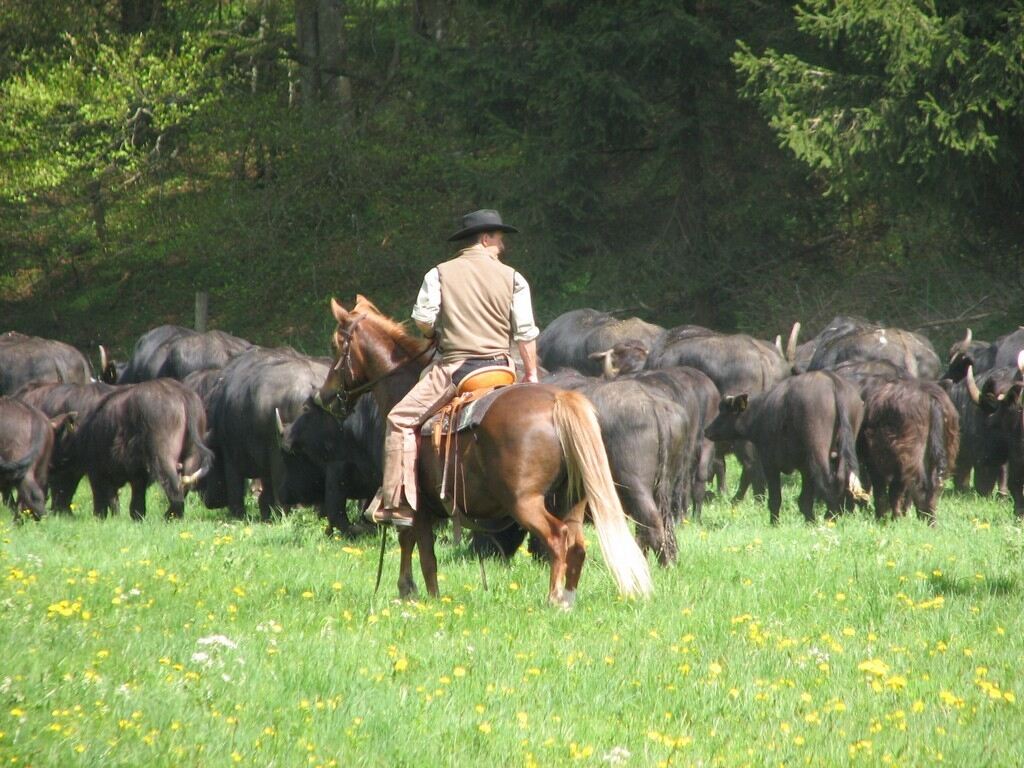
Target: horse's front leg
(423,530)
(406,583)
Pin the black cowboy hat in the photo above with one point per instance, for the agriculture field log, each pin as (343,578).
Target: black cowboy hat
(485,220)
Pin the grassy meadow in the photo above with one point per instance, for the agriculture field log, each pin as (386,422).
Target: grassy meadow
(213,643)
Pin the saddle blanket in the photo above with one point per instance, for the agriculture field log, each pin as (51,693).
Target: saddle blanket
(470,414)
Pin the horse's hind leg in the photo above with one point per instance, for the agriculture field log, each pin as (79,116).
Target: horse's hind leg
(576,553)
(423,530)
(534,517)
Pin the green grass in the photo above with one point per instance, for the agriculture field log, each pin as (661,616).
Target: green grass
(852,643)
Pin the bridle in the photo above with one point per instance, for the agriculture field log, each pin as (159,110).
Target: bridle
(341,402)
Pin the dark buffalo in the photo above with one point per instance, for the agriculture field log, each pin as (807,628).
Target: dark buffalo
(984,356)
(349,453)
(695,393)
(840,325)
(170,351)
(736,363)
(26,442)
(909,442)
(27,358)
(910,351)
(983,449)
(1001,415)
(54,400)
(570,339)
(646,437)
(259,386)
(137,435)
(806,423)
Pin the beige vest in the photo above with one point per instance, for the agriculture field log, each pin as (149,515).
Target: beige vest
(476,306)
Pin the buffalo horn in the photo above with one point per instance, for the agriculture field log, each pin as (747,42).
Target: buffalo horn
(280,424)
(103,358)
(791,344)
(972,386)
(778,343)
(1020,361)
(606,363)
(195,477)
(967,337)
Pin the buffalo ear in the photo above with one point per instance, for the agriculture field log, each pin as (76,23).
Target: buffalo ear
(339,312)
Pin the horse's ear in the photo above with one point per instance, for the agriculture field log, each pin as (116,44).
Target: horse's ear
(338,311)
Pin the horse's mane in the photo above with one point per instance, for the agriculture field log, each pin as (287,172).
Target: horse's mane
(392,328)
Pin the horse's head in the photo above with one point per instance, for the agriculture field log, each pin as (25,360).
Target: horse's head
(368,347)
(338,393)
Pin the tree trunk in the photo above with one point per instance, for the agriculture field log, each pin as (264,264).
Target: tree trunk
(320,38)
(430,18)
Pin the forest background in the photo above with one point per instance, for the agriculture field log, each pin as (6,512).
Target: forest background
(739,165)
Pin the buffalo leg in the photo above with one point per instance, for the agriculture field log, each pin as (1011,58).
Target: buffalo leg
(650,521)
(234,486)
(169,479)
(1015,482)
(1003,482)
(897,496)
(137,506)
(774,483)
(806,499)
(266,499)
(985,478)
(104,494)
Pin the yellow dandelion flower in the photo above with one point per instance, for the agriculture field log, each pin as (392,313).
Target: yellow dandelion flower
(401,664)
(459,671)
(875,667)
(484,727)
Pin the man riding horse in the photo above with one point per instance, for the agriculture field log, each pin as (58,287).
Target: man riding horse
(473,306)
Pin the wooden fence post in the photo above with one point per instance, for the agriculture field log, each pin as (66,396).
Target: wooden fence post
(202,310)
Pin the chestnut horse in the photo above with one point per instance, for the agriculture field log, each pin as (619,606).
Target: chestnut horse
(536,442)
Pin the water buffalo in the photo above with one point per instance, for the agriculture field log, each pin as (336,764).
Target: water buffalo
(736,363)
(806,423)
(28,358)
(54,400)
(850,341)
(1001,414)
(348,453)
(26,442)
(570,339)
(151,431)
(909,441)
(170,351)
(259,386)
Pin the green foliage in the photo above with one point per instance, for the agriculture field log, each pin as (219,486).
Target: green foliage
(929,91)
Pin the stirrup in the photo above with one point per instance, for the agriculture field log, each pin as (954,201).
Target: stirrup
(400,517)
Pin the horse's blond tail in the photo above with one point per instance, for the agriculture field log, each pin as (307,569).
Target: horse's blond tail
(590,478)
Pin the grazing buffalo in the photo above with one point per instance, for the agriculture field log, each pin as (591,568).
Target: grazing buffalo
(152,431)
(909,442)
(54,400)
(26,442)
(736,363)
(259,387)
(807,423)
(170,351)
(696,394)
(646,437)
(28,358)
(348,453)
(1003,416)
(570,339)
(849,341)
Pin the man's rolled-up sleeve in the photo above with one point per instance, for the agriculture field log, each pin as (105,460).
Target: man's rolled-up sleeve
(428,302)
(523,326)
